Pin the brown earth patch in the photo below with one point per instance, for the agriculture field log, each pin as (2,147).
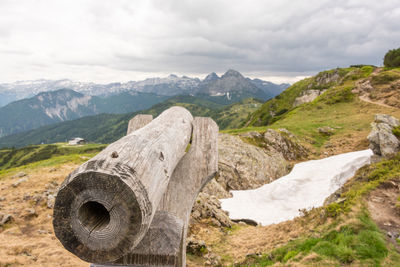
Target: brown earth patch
(28,240)
(384,206)
(234,245)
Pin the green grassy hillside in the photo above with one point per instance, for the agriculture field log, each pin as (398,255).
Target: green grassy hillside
(106,128)
(339,107)
(11,158)
(273,109)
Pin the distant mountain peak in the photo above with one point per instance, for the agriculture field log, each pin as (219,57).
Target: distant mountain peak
(232,73)
(211,77)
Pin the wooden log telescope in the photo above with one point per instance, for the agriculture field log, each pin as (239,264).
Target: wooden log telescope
(130,205)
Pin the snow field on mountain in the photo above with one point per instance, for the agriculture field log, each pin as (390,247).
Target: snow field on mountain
(306,186)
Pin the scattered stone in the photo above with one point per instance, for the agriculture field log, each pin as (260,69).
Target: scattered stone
(29,213)
(340,200)
(377,199)
(207,206)
(392,235)
(19,175)
(43,232)
(5,218)
(17,183)
(212,259)
(50,201)
(254,255)
(251,135)
(2,198)
(326,130)
(196,247)
(246,222)
(37,198)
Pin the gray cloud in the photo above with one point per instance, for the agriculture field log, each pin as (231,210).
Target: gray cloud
(133,39)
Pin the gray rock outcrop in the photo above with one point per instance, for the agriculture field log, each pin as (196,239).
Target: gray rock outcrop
(326,130)
(242,166)
(307,96)
(207,206)
(328,77)
(382,140)
(285,143)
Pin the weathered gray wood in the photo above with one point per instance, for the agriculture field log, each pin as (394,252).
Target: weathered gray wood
(195,169)
(105,207)
(161,244)
(137,122)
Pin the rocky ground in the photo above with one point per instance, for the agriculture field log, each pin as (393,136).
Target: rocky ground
(382,88)
(26,236)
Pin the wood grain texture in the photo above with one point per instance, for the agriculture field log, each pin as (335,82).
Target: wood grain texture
(128,179)
(192,173)
(137,122)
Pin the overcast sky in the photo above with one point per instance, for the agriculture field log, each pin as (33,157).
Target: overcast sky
(121,40)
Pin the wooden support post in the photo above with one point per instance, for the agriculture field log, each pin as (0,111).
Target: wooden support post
(137,122)
(105,207)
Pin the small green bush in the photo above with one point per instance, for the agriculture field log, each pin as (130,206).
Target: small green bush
(396,132)
(339,94)
(392,58)
(385,77)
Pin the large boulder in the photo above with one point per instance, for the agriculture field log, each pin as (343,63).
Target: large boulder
(244,166)
(382,140)
(241,166)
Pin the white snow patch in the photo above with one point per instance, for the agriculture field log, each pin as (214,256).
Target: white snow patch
(306,186)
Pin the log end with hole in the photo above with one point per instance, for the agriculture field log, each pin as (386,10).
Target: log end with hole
(98,217)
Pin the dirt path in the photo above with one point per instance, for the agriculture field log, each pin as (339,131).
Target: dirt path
(364,87)
(384,207)
(365,98)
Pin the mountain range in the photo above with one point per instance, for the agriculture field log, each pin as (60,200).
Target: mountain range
(168,86)
(66,104)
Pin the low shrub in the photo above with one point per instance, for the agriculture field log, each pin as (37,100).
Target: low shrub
(392,58)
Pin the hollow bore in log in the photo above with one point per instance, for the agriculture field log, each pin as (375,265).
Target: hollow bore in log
(94,216)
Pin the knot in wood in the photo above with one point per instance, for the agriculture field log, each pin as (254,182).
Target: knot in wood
(114,155)
(161,156)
